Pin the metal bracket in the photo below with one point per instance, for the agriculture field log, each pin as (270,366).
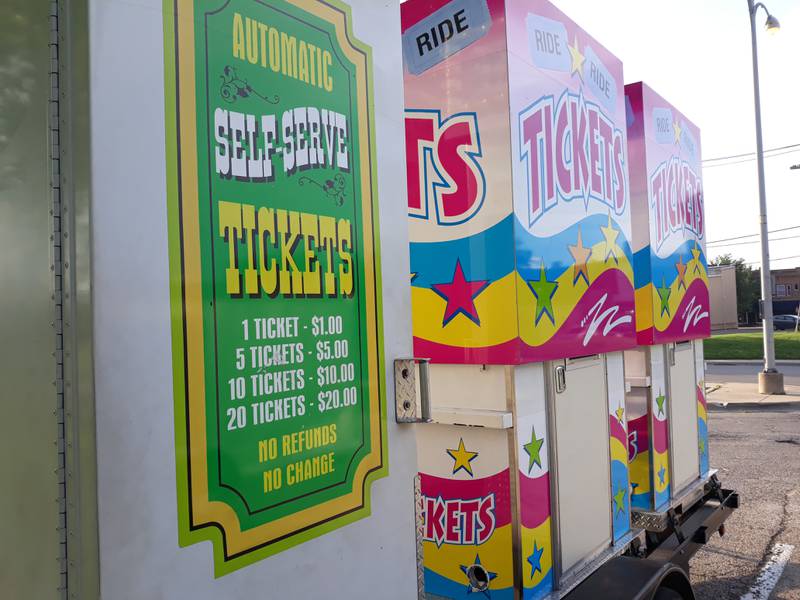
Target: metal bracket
(406,389)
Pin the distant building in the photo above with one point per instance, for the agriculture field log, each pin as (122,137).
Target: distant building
(785,290)
(722,294)
(786,284)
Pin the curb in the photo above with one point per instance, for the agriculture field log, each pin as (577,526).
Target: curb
(726,361)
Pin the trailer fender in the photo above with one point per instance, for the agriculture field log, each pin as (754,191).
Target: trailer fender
(631,578)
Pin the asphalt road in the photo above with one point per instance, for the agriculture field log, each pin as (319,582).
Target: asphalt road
(757,452)
(746,373)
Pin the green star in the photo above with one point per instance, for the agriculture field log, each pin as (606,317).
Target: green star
(701,444)
(543,290)
(664,293)
(619,501)
(660,402)
(532,448)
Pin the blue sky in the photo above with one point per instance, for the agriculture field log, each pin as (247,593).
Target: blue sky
(697,55)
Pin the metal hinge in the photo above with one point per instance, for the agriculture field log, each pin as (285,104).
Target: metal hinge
(58,266)
(412,402)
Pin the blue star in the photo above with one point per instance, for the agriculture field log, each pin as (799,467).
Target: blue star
(480,577)
(661,474)
(535,559)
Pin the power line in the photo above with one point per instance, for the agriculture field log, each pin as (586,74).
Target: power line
(771,260)
(741,237)
(750,153)
(738,162)
(788,237)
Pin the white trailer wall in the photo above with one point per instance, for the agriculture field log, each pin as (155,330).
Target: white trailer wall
(139,553)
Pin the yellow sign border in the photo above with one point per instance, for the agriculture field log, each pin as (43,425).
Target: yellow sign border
(238,547)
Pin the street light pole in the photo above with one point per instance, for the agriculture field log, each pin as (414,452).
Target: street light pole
(770,381)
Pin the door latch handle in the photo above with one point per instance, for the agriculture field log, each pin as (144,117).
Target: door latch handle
(561,378)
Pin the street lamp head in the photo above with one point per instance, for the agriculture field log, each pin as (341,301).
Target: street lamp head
(772,24)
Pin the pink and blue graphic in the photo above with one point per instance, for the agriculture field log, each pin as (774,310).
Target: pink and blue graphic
(639,462)
(669,242)
(534,495)
(620,484)
(466,512)
(525,256)
(702,409)
(659,437)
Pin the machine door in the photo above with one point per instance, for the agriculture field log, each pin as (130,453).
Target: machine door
(683,416)
(583,489)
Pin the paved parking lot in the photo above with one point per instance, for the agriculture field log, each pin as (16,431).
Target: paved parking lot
(757,452)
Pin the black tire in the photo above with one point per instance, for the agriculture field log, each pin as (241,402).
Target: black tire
(667,594)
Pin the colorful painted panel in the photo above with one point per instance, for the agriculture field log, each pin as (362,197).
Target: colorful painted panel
(648,437)
(619,453)
(459,181)
(672,301)
(702,409)
(659,431)
(572,229)
(514,257)
(466,509)
(533,483)
(639,449)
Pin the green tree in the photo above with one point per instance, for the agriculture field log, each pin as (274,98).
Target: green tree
(748,286)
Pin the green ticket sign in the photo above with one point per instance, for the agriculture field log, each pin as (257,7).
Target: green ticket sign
(280,423)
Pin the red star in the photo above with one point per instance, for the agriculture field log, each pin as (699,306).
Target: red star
(460,295)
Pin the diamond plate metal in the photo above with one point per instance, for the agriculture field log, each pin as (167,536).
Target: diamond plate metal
(411,398)
(650,521)
(419,522)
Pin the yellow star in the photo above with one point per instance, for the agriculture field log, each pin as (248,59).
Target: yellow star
(676,128)
(696,257)
(580,254)
(462,458)
(577,59)
(620,412)
(610,235)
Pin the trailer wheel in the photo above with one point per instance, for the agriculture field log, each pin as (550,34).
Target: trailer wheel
(665,593)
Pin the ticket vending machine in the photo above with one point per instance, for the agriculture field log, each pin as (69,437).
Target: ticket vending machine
(522,293)
(666,404)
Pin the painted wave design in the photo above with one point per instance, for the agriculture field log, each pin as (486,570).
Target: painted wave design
(620,508)
(540,590)
(620,499)
(481,256)
(589,328)
(617,431)
(640,481)
(534,493)
(687,321)
(536,541)
(567,340)
(648,267)
(660,436)
(702,429)
(639,467)
(553,251)
(432,486)
(438,585)
(446,564)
